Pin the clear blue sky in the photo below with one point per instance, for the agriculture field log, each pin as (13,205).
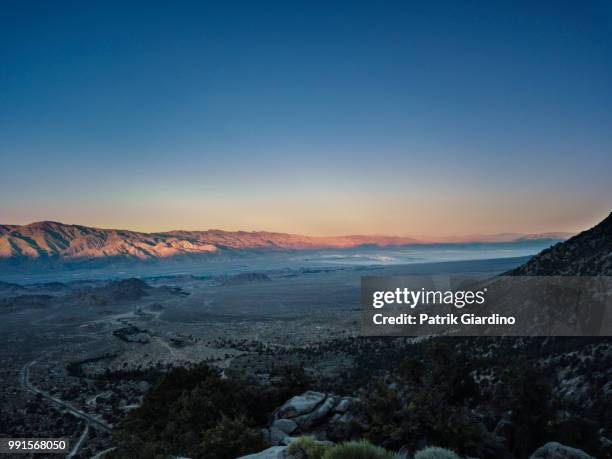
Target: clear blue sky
(310,117)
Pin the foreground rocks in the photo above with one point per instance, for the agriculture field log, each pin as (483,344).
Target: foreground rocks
(330,417)
(326,416)
(554,450)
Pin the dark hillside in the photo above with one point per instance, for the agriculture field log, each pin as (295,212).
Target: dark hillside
(586,254)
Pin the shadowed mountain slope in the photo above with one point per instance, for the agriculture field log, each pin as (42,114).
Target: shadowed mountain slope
(588,254)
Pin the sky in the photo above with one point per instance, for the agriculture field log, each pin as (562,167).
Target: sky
(428,118)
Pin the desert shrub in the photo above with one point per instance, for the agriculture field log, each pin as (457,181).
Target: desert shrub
(197,413)
(435,452)
(358,450)
(230,438)
(529,401)
(429,400)
(308,446)
(449,372)
(289,379)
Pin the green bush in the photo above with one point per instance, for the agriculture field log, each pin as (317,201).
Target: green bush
(435,453)
(430,400)
(230,438)
(308,446)
(197,413)
(358,450)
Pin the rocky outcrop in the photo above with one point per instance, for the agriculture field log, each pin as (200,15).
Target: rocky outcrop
(311,413)
(285,425)
(554,450)
(327,416)
(310,418)
(300,405)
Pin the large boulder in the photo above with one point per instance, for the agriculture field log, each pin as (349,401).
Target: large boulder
(316,416)
(554,450)
(300,404)
(286,425)
(324,415)
(344,404)
(277,436)
(276,452)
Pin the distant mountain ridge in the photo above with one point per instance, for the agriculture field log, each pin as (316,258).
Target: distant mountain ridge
(586,254)
(48,239)
(53,239)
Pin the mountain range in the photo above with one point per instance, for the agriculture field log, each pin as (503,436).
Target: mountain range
(76,242)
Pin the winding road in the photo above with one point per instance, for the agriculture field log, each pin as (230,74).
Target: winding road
(24,380)
(75,449)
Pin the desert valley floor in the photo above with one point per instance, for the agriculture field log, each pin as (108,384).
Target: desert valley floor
(57,344)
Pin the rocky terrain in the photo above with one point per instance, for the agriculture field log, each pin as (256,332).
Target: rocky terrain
(586,254)
(483,398)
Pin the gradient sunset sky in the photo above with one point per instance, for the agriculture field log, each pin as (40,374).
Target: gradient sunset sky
(406,118)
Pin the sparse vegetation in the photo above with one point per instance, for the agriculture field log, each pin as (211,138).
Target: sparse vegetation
(230,438)
(431,401)
(358,450)
(309,447)
(198,413)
